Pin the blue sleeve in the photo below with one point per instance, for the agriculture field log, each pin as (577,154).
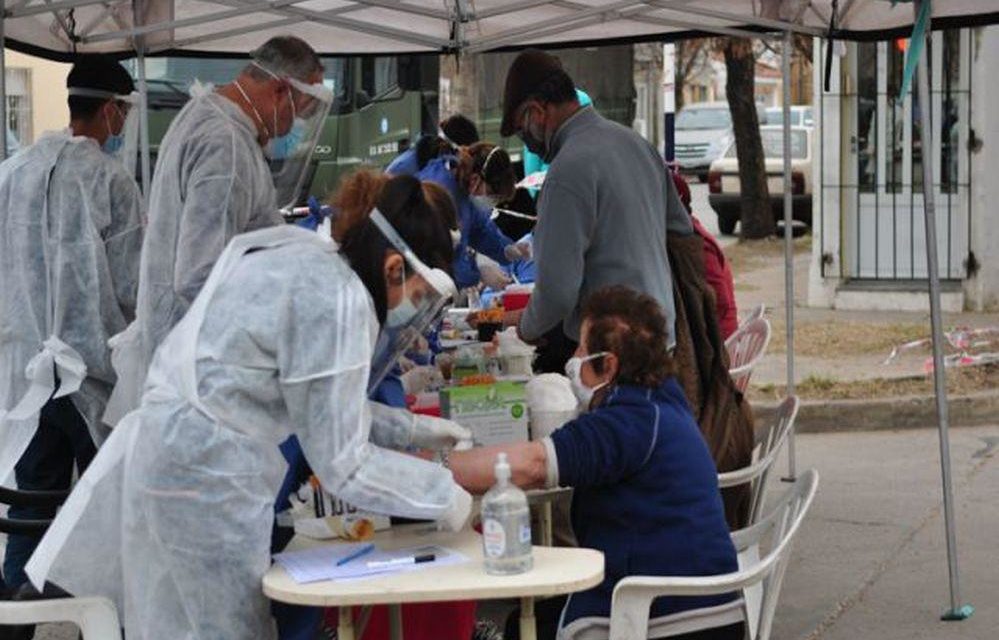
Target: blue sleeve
(483,234)
(603,447)
(389,391)
(298,472)
(405,164)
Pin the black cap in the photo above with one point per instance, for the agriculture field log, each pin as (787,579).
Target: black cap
(528,72)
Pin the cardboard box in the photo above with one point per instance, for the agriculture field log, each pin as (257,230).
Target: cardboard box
(495,413)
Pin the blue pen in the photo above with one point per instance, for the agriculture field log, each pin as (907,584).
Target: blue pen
(363,551)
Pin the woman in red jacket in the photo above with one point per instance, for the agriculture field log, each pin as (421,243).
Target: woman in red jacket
(716,268)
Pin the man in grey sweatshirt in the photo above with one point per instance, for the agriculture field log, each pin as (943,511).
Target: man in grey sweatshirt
(603,211)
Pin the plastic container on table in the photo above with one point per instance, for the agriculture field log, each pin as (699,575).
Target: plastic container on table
(517,296)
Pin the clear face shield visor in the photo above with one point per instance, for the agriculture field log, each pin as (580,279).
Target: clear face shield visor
(289,151)
(121,144)
(425,298)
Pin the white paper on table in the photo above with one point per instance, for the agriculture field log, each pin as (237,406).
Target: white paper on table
(319,563)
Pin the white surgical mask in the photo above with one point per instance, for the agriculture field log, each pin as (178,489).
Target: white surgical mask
(573,370)
(485,202)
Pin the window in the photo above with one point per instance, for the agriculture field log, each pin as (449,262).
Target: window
(867,121)
(18,107)
(379,75)
(773,144)
(950,127)
(701,118)
(176,75)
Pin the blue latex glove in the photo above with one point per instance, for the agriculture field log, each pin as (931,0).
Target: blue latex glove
(317,213)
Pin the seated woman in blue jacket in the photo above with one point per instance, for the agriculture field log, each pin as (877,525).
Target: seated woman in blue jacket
(646,490)
(478,177)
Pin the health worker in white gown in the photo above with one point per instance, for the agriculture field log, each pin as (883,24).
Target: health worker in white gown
(232,157)
(173,518)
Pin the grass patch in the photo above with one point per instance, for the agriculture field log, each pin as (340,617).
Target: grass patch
(959,382)
(749,255)
(828,339)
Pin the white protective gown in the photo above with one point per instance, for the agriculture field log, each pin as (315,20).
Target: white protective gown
(173,518)
(70,235)
(211,183)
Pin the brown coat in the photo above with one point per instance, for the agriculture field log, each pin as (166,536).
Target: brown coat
(724,416)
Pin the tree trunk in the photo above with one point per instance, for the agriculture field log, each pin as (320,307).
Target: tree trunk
(679,74)
(740,64)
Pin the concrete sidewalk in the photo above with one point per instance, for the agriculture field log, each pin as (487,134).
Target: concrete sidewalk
(871,559)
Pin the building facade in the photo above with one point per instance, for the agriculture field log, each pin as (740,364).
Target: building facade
(36,96)
(869,245)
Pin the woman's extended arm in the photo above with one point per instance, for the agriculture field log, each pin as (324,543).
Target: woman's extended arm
(473,469)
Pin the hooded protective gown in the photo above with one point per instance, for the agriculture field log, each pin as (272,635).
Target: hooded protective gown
(172,520)
(70,235)
(211,183)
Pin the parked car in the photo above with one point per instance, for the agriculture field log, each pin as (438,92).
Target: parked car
(801,116)
(702,134)
(723,178)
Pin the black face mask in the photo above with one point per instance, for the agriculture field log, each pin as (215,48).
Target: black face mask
(533,143)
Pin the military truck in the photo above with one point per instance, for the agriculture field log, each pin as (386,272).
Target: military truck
(381,105)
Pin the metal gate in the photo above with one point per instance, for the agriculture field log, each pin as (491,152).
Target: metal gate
(883,232)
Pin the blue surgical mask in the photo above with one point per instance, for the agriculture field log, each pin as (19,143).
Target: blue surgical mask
(283,147)
(115,141)
(113,144)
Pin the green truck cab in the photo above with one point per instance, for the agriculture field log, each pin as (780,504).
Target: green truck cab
(381,106)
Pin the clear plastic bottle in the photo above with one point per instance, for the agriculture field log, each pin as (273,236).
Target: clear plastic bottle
(506,525)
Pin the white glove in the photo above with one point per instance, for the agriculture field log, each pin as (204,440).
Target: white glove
(457,514)
(405,364)
(419,379)
(494,277)
(437,434)
(518,251)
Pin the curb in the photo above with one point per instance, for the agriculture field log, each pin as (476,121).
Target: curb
(907,412)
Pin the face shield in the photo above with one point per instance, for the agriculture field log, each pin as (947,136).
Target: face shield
(424,300)
(122,142)
(290,149)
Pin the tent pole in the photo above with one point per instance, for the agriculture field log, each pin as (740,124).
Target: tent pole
(956,611)
(3,86)
(147,176)
(788,241)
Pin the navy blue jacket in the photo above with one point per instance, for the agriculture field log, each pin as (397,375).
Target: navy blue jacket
(646,495)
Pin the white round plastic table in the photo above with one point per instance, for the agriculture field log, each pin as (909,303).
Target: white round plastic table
(557,571)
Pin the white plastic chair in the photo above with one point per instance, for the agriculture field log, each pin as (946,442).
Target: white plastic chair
(764,454)
(96,617)
(746,348)
(633,596)
(758,311)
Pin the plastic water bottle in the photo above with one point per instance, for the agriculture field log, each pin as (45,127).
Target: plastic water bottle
(506,525)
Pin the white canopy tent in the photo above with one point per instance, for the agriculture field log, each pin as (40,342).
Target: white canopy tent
(57,29)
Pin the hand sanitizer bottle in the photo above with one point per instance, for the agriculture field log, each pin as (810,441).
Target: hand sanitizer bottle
(506,525)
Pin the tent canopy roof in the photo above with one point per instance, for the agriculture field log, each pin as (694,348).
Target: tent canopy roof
(55,28)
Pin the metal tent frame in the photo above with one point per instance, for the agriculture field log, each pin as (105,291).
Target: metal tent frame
(57,29)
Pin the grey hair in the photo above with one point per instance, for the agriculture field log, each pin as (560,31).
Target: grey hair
(285,56)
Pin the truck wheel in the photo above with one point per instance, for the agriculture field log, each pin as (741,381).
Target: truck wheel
(726,223)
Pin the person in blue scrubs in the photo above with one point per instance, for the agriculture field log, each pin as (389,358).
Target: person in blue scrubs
(478,178)
(453,132)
